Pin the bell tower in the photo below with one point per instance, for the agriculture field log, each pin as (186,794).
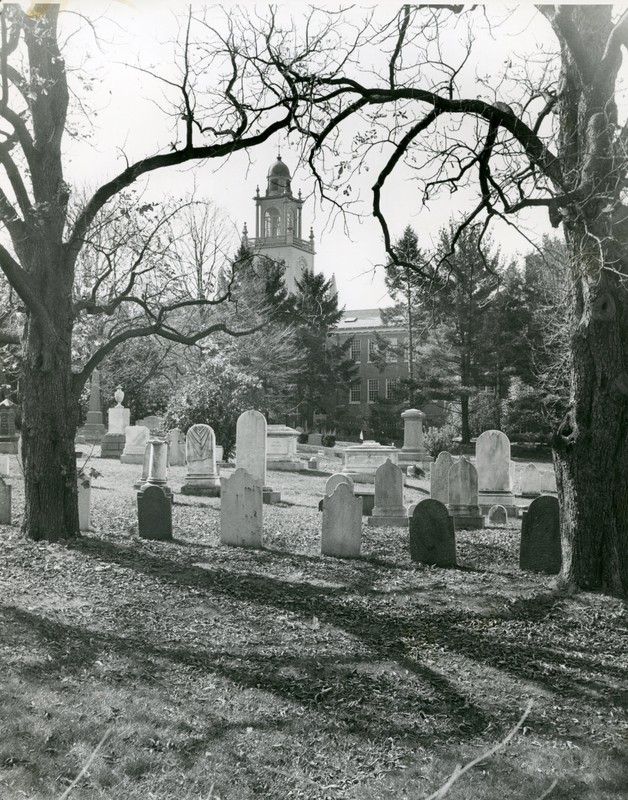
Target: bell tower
(279,225)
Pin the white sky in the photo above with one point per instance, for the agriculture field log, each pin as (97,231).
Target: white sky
(124,119)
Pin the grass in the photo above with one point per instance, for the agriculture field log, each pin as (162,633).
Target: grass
(233,674)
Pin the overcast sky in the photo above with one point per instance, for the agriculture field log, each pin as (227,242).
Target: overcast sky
(125,118)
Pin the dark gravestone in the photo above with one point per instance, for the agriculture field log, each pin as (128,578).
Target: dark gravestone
(540,537)
(432,538)
(154,513)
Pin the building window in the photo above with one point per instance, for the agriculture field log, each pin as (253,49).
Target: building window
(356,349)
(355,392)
(271,223)
(391,386)
(486,389)
(372,350)
(373,389)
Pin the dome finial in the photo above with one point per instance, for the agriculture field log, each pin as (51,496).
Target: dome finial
(279,154)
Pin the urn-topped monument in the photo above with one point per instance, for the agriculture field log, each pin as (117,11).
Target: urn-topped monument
(413,450)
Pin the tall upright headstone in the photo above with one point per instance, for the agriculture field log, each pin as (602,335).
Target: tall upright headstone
(8,432)
(439,477)
(154,499)
(94,429)
(540,537)
(251,450)
(530,481)
(136,437)
(241,512)
(5,502)
(176,448)
(492,461)
(389,509)
(342,523)
(432,537)
(413,450)
(202,477)
(463,496)
(118,419)
(84,488)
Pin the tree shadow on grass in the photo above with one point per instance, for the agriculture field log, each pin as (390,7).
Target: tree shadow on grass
(386,631)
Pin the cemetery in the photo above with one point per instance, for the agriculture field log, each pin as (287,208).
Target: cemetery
(313,421)
(220,629)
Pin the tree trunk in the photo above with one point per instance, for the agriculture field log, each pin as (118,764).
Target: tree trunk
(591,444)
(464,419)
(49,422)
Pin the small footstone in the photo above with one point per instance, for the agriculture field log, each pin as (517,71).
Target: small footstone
(432,537)
(154,513)
(540,537)
(498,516)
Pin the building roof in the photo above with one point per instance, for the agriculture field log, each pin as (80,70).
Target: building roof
(279,169)
(363,319)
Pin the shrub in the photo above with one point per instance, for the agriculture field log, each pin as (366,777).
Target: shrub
(438,439)
(328,440)
(302,438)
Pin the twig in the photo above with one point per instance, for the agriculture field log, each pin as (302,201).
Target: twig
(460,771)
(86,766)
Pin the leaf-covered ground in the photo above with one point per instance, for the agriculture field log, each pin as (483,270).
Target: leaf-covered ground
(234,674)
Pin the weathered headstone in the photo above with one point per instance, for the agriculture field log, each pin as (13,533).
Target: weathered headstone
(158,464)
(361,461)
(152,422)
(492,462)
(335,480)
(530,481)
(135,444)
(145,464)
(342,523)
(439,477)
(5,503)
(313,463)
(463,496)
(498,516)
(176,448)
(432,537)
(241,521)
(281,449)
(154,513)
(202,476)
(389,509)
(251,450)
(548,481)
(8,433)
(540,537)
(84,488)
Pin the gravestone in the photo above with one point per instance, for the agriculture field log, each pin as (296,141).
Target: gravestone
(118,417)
(145,464)
(158,465)
(492,462)
(313,463)
(152,422)
(389,509)
(202,476)
(112,445)
(336,480)
(540,537)
(463,496)
(8,432)
(251,450)
(361,461)
(84,488)
(5,467)
(5,503)
(281,449)
(94,429)
(432,537)
(342,523)
(154,513)
(439,477)
(413,450)
(219,454)
(136,437)
(530,481)
(498,516)
(548,481)
(241,523)
(176,448)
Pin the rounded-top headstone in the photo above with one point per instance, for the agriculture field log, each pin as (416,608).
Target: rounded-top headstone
(432,538)
(498,516)
(540,537)
(251,444)
(463,484)
(492,461)
(439,477)
(335,480)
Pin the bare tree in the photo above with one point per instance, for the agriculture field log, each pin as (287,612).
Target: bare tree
(43,241)
(395,93)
